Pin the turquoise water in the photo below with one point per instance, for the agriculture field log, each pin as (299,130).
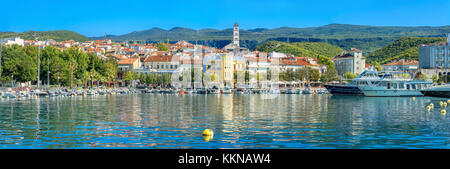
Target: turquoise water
(239,121)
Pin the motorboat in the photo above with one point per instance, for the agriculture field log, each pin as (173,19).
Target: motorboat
(437,91)
(227,90)
(395,84)
(351,88)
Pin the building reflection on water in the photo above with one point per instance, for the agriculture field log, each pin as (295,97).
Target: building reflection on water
(239,121)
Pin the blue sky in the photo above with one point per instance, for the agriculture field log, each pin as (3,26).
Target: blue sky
(94,18)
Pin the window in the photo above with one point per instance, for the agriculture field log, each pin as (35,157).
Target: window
(401,86)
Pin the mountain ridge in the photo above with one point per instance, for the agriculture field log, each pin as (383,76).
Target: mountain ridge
(57,35)
(365,37)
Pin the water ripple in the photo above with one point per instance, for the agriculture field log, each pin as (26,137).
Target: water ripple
(239,121)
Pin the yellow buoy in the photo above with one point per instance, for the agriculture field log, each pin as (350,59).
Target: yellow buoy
(207,138)
(448,101)
(441,103)
(208,132)
(428,108)
(443,111)
(414,98)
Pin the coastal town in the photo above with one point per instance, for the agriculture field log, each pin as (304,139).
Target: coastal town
(231,67)
(195,84)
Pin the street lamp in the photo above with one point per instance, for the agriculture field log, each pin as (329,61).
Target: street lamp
(48,77)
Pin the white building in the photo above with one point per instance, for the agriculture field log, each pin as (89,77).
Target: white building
(12,41)
(352,62)
(277,55)
(435,55)
(401,65)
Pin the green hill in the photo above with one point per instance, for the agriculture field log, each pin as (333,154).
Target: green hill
(301,49)
(366,38)
(43,35)
(403,48)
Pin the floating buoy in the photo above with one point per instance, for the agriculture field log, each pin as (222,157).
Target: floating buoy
(414,98)
(208,132)
(445,104)
(448,101)
(428,108)
(443,111)
(431,105)
(441,103)
(207,138)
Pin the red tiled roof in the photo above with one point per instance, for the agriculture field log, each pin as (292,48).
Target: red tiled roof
(119,57)
(160,58)
(342,56)
(295,62)
(354,50)
(257,59)
(402,62)
(127,61)
(190,61)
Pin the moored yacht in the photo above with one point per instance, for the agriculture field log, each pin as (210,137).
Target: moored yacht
(227,90)
(395,84)
(437,91)
(351,88)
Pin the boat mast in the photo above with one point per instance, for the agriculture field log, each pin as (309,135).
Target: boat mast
(39,54)
(48,73)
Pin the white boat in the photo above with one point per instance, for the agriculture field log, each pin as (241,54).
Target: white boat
(365,78)
(290,91)
(393,85)
(275,91)
(8,95)
(320,91)
(52,93)
(214,91)
(227,90)
(437,91)
(91,92)
(189,91)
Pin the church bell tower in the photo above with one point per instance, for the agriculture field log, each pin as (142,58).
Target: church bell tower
(236,48)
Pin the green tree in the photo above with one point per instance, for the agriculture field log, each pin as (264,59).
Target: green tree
(329,75)
(247,77)
(128,76)
(70,55)
(16,62)
(377,66)
(349,75)
(326,61)
(162,47)
(435,78)
(213,77)
(84,78)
